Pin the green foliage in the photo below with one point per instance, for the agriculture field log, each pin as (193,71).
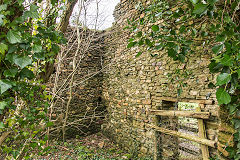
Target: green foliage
(25,44)
(179,27)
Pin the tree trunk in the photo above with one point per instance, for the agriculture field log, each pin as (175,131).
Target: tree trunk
(49,67)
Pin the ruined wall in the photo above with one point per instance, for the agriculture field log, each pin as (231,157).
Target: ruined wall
(132,86)
(86,108)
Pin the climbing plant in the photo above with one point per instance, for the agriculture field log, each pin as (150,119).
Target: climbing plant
(181,27)
(25,45)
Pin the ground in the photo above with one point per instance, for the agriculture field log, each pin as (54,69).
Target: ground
(93,147)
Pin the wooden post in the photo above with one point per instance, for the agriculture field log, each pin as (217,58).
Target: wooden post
(156,140)
(202,134)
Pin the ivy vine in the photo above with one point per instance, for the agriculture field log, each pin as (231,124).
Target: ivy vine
(25,45)
(180,27)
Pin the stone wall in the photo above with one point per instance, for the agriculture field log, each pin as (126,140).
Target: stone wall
(86,110)
(132,86)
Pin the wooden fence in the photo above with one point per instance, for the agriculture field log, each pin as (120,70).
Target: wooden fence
(201,138)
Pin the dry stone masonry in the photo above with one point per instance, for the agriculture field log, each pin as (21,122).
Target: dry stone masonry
(132,86)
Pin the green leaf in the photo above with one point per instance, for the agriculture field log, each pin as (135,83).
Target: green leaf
(5,85)
(23,61)
(33,13)
(33,8)
(212,2)
(131,44)
(3,7)
(53,2)
(10,72)
(3,104)
(3,48)
(227,60)
(221,38)
(232,108)
(1,125)
(139,54)
(236,123)
(2,17)
(172,53)
(222,96)
(155,28)
(14,37)
(26,73)
(37,48)
(179,91)
(139,34)
(200,8)
(11,57)
(238,71)
(223,78)
(140,42)
(182,28)
(217,48)
(49,124)
(148,42)
(194,1)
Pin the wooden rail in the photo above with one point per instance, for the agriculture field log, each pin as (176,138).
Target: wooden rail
(185,136)
(191,114)
(199,101)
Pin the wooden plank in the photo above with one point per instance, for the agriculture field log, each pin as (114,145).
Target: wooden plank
(191,114)
(185,136)
(200,101)
(202,134)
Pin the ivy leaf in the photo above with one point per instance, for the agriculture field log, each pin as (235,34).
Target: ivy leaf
(227,60)
(37,48)
(140,42)
(3,48)
(238,71)
(139,54)
(221,38)
(53,2)
(212,2)
(236,123)
(148,42)
(172,53)
(3,104)
(194,1)
(232,108)
(26,73)
(155,28)
(14,37)
(2,17)
(200,8)
(222,96)
(5,85)
(179,91)
(3,7)
(139,34)
(223,78)
(11,57)
(23,61)
(10,72)
(217,48)
(131,44)
(1,125)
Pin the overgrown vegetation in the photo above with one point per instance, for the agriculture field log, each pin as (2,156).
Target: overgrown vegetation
(184,27)
(26,44)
